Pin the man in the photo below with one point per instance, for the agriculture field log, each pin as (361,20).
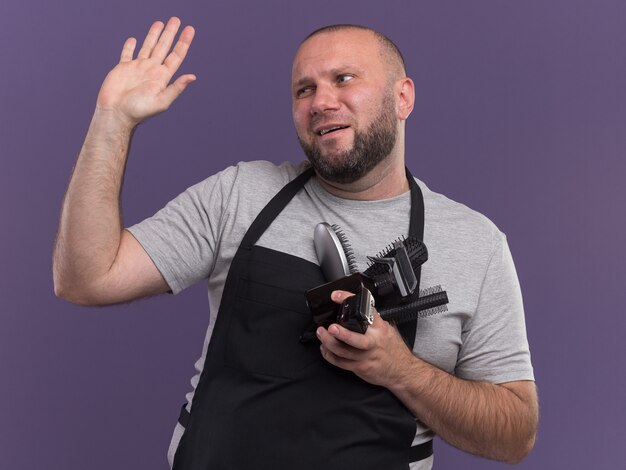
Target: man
(262,399)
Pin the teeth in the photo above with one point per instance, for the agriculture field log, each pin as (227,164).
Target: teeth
(326,131)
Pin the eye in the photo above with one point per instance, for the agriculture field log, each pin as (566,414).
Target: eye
(306,90)
(344,78)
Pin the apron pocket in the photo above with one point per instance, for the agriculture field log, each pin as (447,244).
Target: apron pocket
(264,331)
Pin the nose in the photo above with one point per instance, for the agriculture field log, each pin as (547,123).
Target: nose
(325,99)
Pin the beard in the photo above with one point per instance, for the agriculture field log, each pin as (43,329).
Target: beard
(370,147)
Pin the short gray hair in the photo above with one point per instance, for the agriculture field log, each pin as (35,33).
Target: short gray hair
(390,52)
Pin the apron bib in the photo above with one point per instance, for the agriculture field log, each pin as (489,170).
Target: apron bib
(264,399)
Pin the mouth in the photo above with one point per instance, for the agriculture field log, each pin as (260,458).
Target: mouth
(329,130)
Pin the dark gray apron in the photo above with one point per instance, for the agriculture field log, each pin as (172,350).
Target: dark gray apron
(267,401)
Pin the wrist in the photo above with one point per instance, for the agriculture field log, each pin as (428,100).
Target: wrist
(112,121)
(108,138)
(411,377)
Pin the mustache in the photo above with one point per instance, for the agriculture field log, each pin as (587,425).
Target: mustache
(328,118)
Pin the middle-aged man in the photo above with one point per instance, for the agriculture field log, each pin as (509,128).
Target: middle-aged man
(263,399)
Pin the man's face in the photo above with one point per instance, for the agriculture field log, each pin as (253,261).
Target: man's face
(344,108)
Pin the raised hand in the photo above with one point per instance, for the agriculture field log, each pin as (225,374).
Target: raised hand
(139,88)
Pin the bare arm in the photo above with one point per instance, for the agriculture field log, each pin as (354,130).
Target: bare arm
(95,261)
(494,421)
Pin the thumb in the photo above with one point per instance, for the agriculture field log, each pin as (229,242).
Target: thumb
(175,89)
(339,296)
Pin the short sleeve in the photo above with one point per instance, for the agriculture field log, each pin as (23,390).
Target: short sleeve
(182,238)
(494,343)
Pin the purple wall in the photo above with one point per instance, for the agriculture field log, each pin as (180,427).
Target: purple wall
(521,114)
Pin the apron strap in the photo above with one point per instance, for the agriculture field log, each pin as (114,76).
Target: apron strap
(416,229)
(421,451)
(273,208)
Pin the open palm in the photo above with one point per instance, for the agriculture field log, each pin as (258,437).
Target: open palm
(139,88)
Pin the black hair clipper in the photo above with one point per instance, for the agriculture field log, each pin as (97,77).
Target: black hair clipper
(326,312)
(356,313)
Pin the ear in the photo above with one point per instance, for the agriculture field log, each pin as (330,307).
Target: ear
(405,93)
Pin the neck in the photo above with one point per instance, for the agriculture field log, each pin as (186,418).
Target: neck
(386,180)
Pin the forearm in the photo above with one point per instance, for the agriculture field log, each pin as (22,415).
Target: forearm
(90,226)
(494,421)
(485,419)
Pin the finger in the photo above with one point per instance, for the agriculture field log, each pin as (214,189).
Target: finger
(342,350)
(174,90)
(128,49)
(360,341)
(339,296)
(334,359)
(151,39)
(178,54)
(339,338)
(165,41)
(336,346)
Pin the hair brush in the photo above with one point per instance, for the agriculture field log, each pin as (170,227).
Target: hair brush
(333,251)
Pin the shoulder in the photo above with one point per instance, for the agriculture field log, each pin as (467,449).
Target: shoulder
(238,193)
(259,178)
(261,170)
(459,225)
(257,172)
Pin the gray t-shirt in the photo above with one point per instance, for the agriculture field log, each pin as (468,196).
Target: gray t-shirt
(482,336)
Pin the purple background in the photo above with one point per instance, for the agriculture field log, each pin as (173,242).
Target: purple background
(520,114)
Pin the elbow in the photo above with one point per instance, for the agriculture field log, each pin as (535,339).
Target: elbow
(73,292)
(71,295)
(521,450)
(78,298)
(524,429)
(61,288)
(75,285)
(524,443)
